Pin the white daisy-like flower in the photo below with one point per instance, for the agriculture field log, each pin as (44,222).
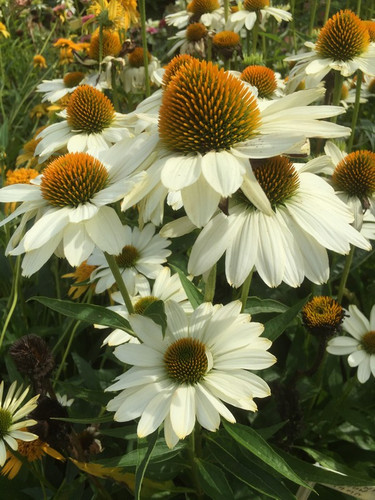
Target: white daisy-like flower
(353,177)
(201,362)
(69,204)
(191,40)
(343,44)
(360,346)
(165,288)
(268,83)
(209,125)
(208,12)
(91,124)
(133,74)
(12,418)
(285,245)
(141,256)
(251,10)
(56,89)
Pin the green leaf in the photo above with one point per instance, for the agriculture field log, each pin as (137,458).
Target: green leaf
(143,463)
(252,441)
(160,453)
(156,312)
(276,326)
(254,305)
(86,421)
(90,313)
(213,481)
(194,295)
(316,474)
(252,476)
(89,376)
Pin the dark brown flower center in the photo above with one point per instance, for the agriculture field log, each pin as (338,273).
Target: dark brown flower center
(186,361)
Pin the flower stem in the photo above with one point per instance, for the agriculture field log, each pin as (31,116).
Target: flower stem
(142,10)
(119,281)
(312,16)
(326,13)
(226,10)
(66,352)
(358,10)
(209,292)
(194,468)
(100,47)
(345,274)
(245,289)
(14,300)
(355,109)
(255,37)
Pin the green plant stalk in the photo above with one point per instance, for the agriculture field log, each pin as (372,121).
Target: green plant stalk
(194,469)
(226,10)
(255,37)
(209,48)
(337,90)
(358,9)
(312,16)
(100,47)
(119,281)
(142,10)
(209,292)
(245,289)
(66,352)
(326,12)
(14,300)
(345,274)
(115,99)
(355,109)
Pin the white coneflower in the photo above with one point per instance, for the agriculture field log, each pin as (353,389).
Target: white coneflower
(188,374)
(11,418)
(251,10)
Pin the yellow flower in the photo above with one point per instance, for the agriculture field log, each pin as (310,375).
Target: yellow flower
(66,56)
(3,30)
(38,111)
(32,450)
(18,176)
(64,43)
(28,154)
(81,274)
(117,14)
(39,61)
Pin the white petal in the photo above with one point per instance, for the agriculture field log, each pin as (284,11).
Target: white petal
(200,201)
(180,171)
(106,231)
(182,412)
(154,413)
(223,171)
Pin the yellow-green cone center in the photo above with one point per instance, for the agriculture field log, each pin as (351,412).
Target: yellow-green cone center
(277,177)
(73,179)
(128,257)
(322,313)
(89,110)
(5,422)
(186,361)
(206,109)
(343,37)
(142,304)
(355,174)
(368,342)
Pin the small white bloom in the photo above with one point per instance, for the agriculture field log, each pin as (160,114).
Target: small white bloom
(11,415)
(360,345)
(141,256)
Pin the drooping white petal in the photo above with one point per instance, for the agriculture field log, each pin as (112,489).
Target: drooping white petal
(182,410)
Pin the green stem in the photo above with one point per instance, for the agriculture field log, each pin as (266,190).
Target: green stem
(345,274)
(119,281)
(226,10)
(358,10)
(245,290)
(14,301)
(209,292)
(255,37)
(142,10)
(194,468)
(312,16)
(326,12)
(355,109)
(247,51)
(100,47)
(337,90)
(66,352)
(209,48)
